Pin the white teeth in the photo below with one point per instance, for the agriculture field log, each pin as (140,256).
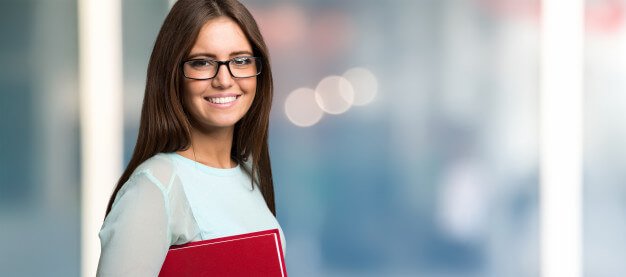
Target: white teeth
(221,100)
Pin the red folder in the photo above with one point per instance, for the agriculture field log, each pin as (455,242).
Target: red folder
(252,254)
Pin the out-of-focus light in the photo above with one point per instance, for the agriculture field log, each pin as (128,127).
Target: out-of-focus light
(301,108)
(364,84)
(333,32)
(284,26)
(561,110)
(462,210)
(101,116)
(334,94)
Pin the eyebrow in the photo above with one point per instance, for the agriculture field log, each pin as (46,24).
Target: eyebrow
(236,53)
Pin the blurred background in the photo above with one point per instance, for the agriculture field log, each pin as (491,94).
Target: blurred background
(418,157)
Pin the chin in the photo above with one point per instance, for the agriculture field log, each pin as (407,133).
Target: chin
(219,119)
(222,123)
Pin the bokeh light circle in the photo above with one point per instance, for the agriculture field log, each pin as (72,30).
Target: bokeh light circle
(334,94)
(302,109)
(364,83)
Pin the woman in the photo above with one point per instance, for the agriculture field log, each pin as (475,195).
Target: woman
(202,141)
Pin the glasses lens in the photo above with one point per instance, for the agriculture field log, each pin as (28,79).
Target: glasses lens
(199,69)
(243,67)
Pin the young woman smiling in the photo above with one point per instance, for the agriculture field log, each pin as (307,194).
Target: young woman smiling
(201,167)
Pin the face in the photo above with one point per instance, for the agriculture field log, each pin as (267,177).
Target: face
(222,101)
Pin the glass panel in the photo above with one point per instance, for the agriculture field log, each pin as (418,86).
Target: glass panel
(141,22)
(39,139)
(604,217)
(437,175)
(424,159)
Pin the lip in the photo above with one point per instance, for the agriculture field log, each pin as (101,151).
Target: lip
(222,95)
(224,105)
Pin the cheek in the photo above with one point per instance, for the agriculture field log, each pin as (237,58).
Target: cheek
(195,87)
(249,86)
(192,89)
(189,90)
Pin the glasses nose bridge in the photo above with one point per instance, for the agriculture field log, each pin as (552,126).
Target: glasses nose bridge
(219,65)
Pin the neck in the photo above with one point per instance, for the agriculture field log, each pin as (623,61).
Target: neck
(211,147)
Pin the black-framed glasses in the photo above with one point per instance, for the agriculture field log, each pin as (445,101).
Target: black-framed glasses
(238,67)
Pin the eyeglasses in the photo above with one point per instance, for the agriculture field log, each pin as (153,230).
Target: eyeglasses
(238,67)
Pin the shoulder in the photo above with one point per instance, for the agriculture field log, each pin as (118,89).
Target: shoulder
(152,179)
(160,169)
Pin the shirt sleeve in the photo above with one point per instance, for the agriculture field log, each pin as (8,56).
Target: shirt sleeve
(134,236)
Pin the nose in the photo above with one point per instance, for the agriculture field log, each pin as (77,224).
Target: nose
(223,78)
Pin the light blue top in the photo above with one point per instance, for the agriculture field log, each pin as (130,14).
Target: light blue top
(172,200)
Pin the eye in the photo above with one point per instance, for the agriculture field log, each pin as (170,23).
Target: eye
(200,64)
(242,61)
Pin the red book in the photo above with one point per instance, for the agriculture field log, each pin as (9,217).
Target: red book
(252,254)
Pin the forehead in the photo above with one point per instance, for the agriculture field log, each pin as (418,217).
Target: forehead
(220,37)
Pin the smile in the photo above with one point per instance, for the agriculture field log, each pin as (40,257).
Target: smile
(221,100)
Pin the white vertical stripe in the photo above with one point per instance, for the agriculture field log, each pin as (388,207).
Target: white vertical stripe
(561,137)
(100,38)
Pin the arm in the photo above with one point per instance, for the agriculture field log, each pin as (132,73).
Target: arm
(134,236)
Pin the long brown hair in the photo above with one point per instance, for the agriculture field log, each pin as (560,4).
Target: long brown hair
(165,125)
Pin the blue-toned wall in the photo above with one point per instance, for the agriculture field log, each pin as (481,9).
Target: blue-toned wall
(436,175)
